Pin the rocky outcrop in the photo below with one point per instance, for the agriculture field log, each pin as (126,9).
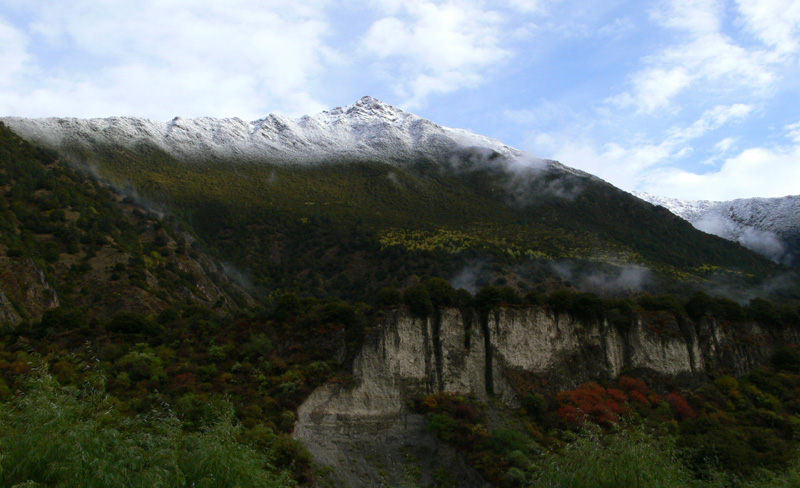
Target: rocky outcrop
(501,354)
(26,293)
(8,313)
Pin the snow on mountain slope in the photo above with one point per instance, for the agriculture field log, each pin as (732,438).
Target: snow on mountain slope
(769,226)
(366,130)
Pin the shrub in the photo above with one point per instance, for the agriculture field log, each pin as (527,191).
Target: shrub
(787,359)
(661,303)
(535,404)
(726,384)
(731,310)
(504,441)
(587,306)
(619,312)
(442,426)
(534,298)
(258,345)
(789,316)
(337,312)
(592,402)
(289,304)
(127,322)
(763,312)
(680,406)
(561,301)
(167,316)
(61,319)
(488,298)
(441,292)
(632,457)
(287,452)
(388,297)
(709,444)
(464,298)
(57,436)
(418,300)
(701,304)
(141,366)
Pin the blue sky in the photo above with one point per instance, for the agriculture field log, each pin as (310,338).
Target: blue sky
(691,99)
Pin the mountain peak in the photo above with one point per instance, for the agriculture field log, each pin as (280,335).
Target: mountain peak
(367,110)
(369,129)
(369,101)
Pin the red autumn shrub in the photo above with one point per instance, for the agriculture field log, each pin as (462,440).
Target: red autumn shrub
(633,384)
(592,401)
(639,398)
(571,415)
(617,408)
(617,395)
(603,415)
(680,406)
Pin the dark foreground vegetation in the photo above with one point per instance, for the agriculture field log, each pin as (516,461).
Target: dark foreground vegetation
(129,356)
(155,392)
(732,432)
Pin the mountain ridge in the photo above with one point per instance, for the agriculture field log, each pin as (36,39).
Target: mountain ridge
(417,198)
(366,130)
(769,226)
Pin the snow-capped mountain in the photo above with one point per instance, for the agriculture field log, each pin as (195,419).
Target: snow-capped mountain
(366,130)
(769,226)
(370,130)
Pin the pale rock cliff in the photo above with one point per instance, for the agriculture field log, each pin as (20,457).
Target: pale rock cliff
(369,435)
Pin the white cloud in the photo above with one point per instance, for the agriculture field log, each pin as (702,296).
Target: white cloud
(167,58)
(619,165)
(765,172)
(710,120)
(616,28)
(641,164)
(530,6)
(703,58)
(435,48)
(793,132)
(13,53)
(775,22)
(653,89)
(693,16)
(757,171)
(725,145)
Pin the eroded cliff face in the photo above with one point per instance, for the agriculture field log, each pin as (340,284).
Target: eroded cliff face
(366,431)
(501,354)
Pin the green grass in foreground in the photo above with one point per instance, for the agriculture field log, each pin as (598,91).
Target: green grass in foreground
(67,437)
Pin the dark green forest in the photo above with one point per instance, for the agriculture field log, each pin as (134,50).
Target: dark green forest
(348,229)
